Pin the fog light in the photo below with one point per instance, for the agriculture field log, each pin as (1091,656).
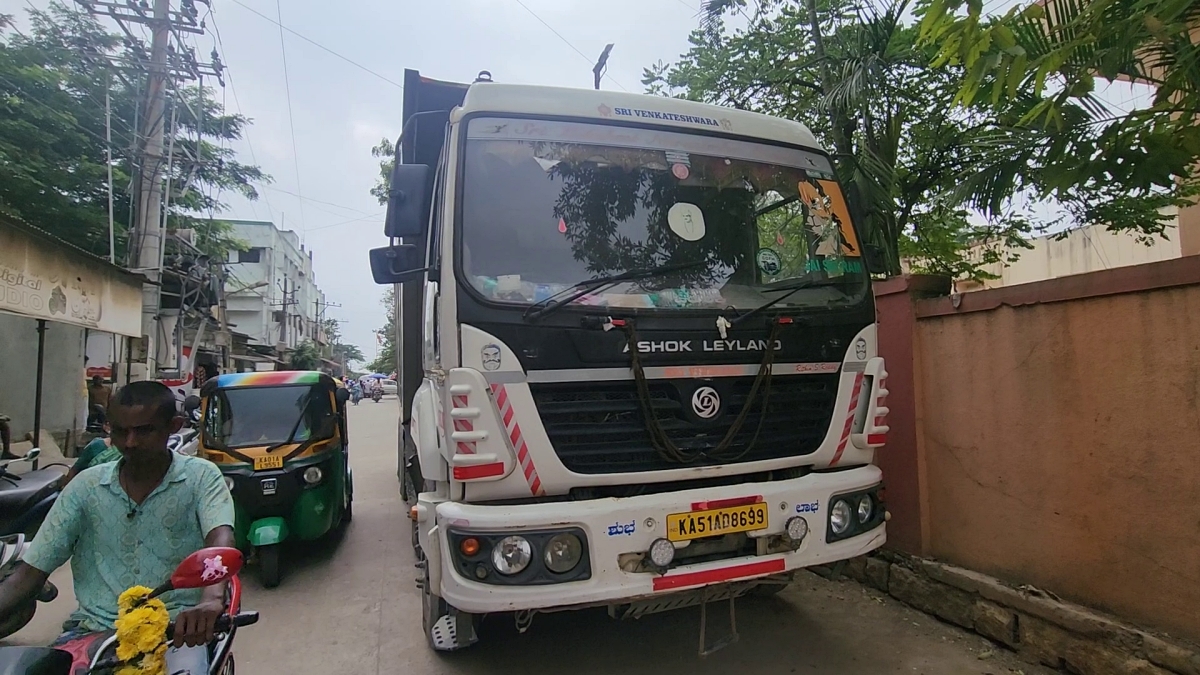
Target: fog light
(563,552)
(662,552)
(796,528)
(229,483)
(866,508)
(839,517)
(511,555)
(469,546)
(313,475)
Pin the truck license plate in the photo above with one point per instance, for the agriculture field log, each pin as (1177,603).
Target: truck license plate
(716,522)
(268,462)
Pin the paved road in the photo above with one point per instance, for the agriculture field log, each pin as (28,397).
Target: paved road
(354,609)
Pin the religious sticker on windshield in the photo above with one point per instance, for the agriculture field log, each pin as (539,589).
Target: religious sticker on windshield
(769,262)
(687,221)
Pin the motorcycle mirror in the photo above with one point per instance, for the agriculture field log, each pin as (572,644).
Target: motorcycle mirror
(191,403)
(205,567)
(32,454)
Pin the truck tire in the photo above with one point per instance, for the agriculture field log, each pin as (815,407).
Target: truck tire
(446,628)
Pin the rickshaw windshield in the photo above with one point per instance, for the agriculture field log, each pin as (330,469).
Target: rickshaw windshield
(255,416)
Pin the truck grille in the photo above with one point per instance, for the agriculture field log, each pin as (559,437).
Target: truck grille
(598,427)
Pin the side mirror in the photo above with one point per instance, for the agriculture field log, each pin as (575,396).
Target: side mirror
(408,201)
(396,264)
(342,396)
(33,454)
(191,403)
(206,567)
(875,259)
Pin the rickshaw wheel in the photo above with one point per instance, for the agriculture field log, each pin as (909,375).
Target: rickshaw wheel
(268,562)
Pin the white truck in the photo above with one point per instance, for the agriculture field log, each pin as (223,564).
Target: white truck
(637,353)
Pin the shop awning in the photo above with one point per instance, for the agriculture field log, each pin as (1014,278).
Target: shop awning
(44,277)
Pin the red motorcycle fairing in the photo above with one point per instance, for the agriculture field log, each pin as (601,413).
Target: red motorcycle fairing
(82,649)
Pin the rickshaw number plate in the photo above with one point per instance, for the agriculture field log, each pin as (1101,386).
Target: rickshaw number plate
(268,462)
(269,485)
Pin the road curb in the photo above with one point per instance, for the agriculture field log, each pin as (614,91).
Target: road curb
(1038,625)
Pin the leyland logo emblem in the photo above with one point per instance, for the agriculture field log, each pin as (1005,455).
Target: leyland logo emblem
(706,403)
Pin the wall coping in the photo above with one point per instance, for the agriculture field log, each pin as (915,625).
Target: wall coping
(917,284)
(1176,272)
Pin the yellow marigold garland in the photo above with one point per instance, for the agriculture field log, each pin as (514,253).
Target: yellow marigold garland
(141,633)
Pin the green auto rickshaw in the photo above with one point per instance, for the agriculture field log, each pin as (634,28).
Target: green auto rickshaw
(280,440)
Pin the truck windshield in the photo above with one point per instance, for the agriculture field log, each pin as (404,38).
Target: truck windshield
(257,416)
(546,205)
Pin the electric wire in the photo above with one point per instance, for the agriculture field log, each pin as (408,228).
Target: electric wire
(319,45)
(587,58)
(291,121)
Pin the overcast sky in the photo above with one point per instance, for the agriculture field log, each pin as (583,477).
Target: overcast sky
(339,110)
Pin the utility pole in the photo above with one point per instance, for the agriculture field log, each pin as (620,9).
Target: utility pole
(147,235)
(162,67)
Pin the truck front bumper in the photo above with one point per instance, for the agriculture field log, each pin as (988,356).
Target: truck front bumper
(629,525)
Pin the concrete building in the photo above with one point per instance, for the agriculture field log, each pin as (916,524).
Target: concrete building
(1088,249)
(271,294)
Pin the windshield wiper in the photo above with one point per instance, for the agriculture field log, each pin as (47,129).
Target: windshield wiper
(792,287)
(581,288)
(291,435)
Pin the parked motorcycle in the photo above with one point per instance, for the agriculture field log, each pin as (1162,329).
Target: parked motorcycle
(25,499)
(95,654)
(24,502)
(186,441)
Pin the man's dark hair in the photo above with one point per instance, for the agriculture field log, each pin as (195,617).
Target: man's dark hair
(152,394)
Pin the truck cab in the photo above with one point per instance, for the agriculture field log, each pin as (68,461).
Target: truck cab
(637,353)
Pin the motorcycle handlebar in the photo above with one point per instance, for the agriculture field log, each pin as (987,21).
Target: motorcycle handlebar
(224,624)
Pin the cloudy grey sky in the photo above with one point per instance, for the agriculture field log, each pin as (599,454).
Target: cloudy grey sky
(339,110)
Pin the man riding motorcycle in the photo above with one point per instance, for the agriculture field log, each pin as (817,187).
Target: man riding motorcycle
(130,523)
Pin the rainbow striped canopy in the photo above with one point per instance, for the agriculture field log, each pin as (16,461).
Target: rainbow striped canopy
(269,378)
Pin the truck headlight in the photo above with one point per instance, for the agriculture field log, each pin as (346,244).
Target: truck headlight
(839,517)
(563,552)
(511,554)
(866,508)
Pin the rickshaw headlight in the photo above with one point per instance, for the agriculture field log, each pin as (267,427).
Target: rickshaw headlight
(229,483)
(313,475)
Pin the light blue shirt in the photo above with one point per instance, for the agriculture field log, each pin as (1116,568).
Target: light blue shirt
(111,551)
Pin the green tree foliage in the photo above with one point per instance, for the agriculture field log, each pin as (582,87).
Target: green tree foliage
(385,152)
(1037,66)
(306,356)
(869,93)
(338,350)
(929,178)
(53,169)
(386,362)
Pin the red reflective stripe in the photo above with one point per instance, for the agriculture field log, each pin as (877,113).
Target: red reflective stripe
(466,448)
(508,415)
(501,396)
(725,503)
(478,471)
(666,583)
(858,379)
(876,439)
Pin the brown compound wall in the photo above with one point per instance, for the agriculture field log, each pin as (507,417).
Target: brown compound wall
(1058,438)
